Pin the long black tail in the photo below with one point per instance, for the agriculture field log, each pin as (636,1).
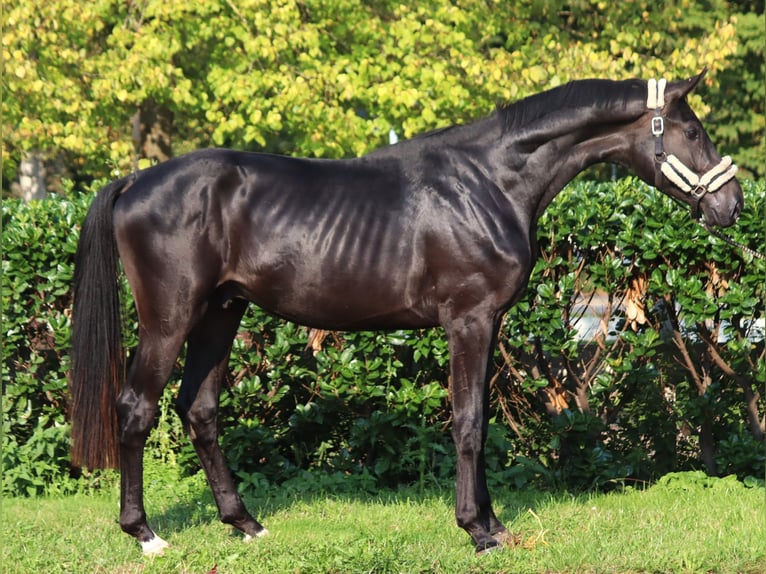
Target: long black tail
(98,358)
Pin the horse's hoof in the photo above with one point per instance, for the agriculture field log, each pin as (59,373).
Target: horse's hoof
(506,538)
(487,548)
(259,534)
(154,547)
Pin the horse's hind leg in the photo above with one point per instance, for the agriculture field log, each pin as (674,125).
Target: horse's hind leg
(136,407)
(209,345)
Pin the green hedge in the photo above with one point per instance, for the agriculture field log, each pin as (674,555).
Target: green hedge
(666,379)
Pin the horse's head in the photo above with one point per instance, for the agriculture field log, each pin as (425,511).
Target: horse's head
(677,156)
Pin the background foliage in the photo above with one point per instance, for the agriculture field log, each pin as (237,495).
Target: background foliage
(666,378)
(87,84)
(661,374)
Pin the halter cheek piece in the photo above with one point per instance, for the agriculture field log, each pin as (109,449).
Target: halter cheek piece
(672,167)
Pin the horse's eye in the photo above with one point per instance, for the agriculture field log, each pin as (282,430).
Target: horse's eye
(692,133)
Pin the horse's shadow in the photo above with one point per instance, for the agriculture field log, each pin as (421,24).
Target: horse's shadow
(197,507)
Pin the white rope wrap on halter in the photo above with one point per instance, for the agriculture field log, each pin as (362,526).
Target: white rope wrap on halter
(714,178)
(656,97)
(673,168)
(690,182)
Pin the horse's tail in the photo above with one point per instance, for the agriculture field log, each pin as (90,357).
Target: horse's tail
(98,358)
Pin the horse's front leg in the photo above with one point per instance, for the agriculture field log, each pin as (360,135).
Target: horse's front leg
(471,339)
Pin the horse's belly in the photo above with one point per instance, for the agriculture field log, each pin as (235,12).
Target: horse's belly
(343,297)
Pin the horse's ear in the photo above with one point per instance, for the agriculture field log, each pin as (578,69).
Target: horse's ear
(679,90)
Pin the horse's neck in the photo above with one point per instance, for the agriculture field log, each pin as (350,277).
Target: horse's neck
(548,165)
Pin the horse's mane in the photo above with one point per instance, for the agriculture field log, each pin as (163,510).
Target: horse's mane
(578,94)
(605,94)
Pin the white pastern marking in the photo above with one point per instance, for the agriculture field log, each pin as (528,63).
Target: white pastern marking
(260,534)
(154,547)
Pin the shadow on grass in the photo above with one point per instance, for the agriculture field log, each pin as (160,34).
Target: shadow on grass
(177,504)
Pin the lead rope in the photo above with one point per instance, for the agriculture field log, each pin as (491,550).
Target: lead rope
(724,237)
(730,240)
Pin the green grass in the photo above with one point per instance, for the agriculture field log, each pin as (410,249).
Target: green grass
(680,526)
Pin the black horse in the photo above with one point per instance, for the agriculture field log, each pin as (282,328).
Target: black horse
(435,231)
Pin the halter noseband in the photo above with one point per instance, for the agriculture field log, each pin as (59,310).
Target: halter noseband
(672,167)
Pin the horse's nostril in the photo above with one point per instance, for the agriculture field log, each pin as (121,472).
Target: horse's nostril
(737,209)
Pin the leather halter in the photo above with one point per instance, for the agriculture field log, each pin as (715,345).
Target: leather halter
(673,168)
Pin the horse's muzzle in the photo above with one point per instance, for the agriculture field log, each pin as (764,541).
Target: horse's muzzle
(723,207)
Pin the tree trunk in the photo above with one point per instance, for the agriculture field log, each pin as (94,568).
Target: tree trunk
(32,178)
(152,130)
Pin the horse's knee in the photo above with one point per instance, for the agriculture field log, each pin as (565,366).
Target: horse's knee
(467,437)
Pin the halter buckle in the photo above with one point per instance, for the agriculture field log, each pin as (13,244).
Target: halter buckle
(699,191)
(658,126)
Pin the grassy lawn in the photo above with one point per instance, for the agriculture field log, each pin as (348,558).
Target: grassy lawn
(678,526)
